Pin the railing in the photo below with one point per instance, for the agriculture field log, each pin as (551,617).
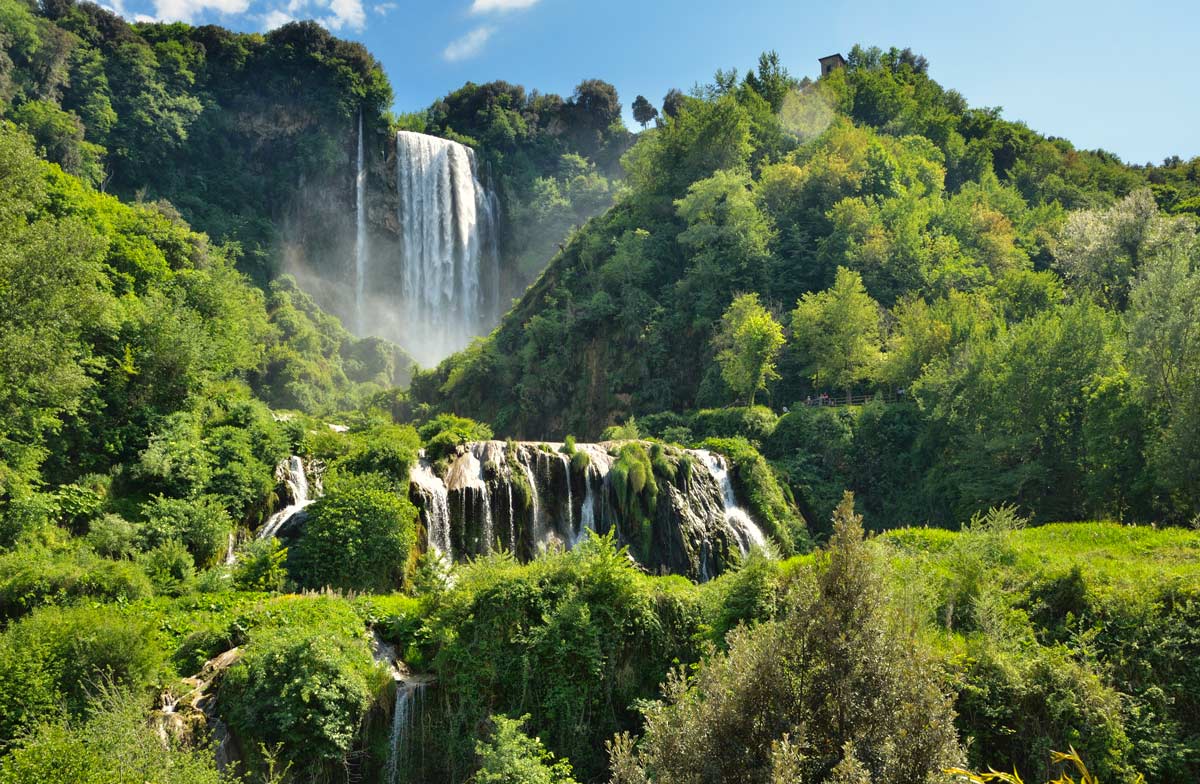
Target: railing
(827,400)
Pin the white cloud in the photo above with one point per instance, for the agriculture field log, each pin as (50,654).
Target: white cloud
(346,13)
(383,9)
(276,18)
(469,45)
(484,6)
(187,10)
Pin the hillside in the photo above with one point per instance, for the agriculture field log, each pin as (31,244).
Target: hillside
(760,480)
(1020,305)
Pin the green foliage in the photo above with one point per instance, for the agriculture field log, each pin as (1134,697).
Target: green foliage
(572,639)
(446,432)
(510,756)
(301,688)
(112,745)
(747,343)
(261,566)
(635,489)
(359,536)
(202,526)
(835,673)
(31,576)
(837,333)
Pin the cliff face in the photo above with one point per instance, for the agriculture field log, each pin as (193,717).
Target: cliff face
(523,497)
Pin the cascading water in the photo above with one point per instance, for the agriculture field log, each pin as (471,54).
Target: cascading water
(748,534)
(437,507)
(360,228)
(697,529)
(291,473)
(405,713)
(448,262)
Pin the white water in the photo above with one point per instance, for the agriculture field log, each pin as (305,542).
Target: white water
(512,522)
(571,535)
(587,513)
(437,508)
(533,497)
(407,710)
(449,264)
(360,228)
(291,473)
(748,534)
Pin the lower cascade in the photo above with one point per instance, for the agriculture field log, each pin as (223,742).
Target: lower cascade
(293,474)
(526,497)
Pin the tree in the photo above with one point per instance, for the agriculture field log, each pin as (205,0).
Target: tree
(357,537)
(510,756)
(748,343)
(1164,333)
(673,101)
(644,111)
(835,683)
(837,333)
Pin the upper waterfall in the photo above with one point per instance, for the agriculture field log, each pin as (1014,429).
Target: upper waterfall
(448,253)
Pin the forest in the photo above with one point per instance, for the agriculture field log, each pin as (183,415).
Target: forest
(947,368)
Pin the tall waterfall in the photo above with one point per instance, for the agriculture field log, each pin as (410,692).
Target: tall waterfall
(360,228)
(448,262)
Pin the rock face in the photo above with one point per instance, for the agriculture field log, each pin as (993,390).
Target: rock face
(524,497)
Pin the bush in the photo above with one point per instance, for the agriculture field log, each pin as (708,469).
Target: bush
(114,745)
(357,537)
(389,451)
(446,432)
(261,566)
(202,525)
(754,423)
(636,490)
(79,650)
(509,756)
(33,576)
(303,688)
(169,566)
(113,536)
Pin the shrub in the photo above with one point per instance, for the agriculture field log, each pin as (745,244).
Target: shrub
(261,566)
(81,649)
(169,566)
(389,451)
(509,756)
(633,483)
(446,432)
(303,688)
(33,576)
(113,536)
(754,423)
(358,537)
(202,525)
(113,745)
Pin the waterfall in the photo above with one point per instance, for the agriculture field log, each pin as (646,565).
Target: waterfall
(437,507)
(571,535)
(747,533)
(405,713)
(291,473)
(533,499)
(512,522)
(587,513)
(360,228)
(448,246)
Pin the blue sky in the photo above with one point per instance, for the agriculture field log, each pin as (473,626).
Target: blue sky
(1116,75)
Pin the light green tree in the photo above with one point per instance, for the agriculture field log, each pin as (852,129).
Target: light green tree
(748,344)
(510,756)
(837,333)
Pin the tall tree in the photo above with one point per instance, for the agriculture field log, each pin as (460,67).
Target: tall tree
(837,333)
(748,344)
(643,111)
